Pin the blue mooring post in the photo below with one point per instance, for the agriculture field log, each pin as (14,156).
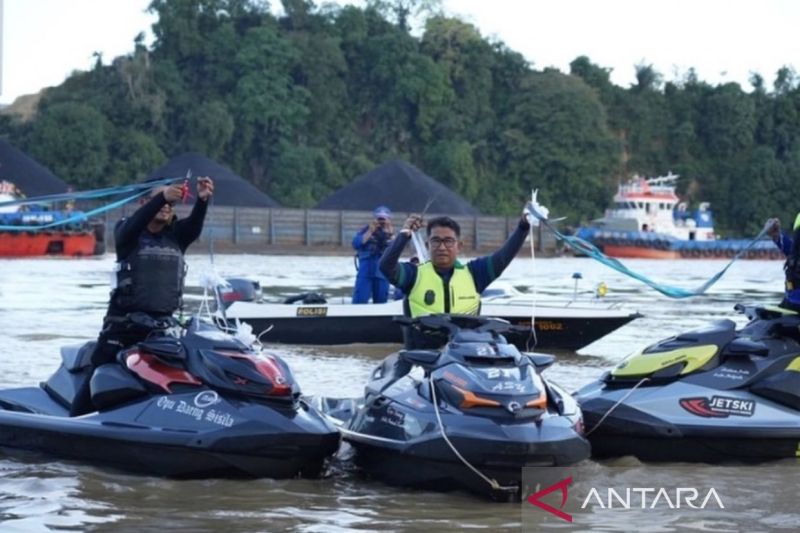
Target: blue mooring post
(576,276)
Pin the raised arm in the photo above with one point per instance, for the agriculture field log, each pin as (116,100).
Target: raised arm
(488,268)
(189,229)
(127,231)
(401,275)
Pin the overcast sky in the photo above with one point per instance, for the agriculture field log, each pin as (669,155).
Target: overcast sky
(725,40)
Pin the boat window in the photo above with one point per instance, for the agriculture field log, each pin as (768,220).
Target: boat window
(647,207)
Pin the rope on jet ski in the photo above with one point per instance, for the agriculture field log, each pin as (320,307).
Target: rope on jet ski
(611,410)
(532,334)
(590,250)
(492,482)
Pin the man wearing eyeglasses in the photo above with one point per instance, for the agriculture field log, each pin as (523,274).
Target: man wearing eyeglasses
(443,284)
(148,285)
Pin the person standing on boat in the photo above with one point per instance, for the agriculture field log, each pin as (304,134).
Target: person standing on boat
(790,246)
(370,242)
(149,273)
(443,284)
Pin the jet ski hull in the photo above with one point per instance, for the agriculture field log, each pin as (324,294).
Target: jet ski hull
(228,440)
(430,463)
(658,435)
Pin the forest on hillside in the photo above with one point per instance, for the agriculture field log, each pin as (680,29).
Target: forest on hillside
(302,102)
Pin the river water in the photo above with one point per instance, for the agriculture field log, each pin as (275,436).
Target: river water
(47,303)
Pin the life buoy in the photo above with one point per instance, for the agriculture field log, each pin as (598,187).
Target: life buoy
(730,252)
(774,254)
(752,254)
(684,252)
(762,254)
(706,252)
(719,252)
(695,253)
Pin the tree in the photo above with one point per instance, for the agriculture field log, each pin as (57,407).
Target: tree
(558,141)
(208,128)
(72,139)
(133,156)
(270,107)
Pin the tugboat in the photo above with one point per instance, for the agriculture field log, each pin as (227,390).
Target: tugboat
(21,234)
(648,220)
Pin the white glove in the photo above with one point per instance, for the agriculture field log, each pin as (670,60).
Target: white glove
(534,211)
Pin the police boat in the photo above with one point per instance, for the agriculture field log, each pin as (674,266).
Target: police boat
(715,394)
(480,413)
(199,404)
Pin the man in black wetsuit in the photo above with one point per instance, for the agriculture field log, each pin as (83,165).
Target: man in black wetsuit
(150,273)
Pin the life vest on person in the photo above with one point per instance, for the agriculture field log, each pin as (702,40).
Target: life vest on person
(151,278)
(792,265)
(432,294)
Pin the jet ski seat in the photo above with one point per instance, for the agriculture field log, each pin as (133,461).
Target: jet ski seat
(745,346)
(30,400)
(77,357)
(466,335)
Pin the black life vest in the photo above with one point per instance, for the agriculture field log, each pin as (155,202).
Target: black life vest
(151,278)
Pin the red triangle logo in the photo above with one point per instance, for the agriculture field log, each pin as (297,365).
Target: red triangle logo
(535,498)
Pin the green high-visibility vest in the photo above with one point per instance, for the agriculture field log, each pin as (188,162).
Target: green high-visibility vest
(431,294)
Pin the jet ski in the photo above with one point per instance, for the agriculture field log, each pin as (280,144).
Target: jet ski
(481,412)
(195,405)
(715,394)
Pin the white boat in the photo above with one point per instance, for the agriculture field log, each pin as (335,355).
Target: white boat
(649,220)
(562,326)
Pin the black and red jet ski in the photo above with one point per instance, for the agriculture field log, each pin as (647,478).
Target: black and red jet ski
(201,404)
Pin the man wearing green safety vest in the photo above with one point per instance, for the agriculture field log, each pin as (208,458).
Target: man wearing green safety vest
(789,244)
(443,284)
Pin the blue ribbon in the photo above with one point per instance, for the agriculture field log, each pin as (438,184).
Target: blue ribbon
(91,194)
(139,190)
(587,248)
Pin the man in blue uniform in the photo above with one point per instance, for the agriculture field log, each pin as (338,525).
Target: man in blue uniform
(149,273)
(789,244)
(370,242)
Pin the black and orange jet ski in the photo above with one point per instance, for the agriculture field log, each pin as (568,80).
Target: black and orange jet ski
(715,394)
(481,412)
(201,404)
